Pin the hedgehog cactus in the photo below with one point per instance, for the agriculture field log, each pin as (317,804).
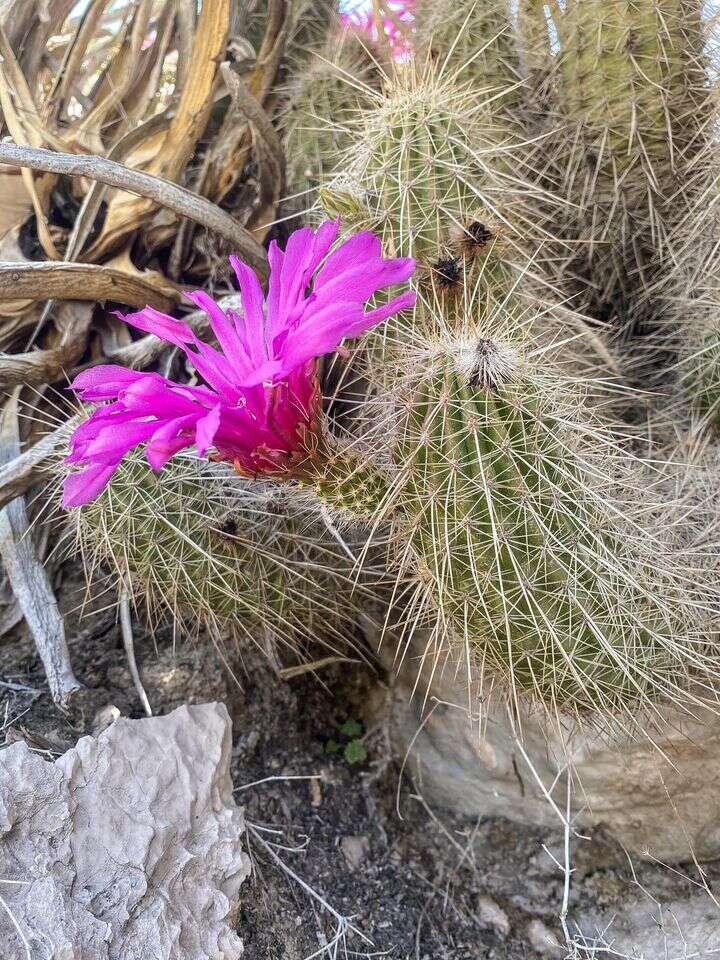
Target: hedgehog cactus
(513,526)
(507,497)
(477,39)
(198,541)
(631,81)
(319,105)
(422,159)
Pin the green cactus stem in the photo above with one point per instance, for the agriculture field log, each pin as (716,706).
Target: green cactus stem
(199,542)
(475,41)
(526,559)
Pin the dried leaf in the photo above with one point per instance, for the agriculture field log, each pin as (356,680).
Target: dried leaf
(178,145)
(15,201)
(24,125)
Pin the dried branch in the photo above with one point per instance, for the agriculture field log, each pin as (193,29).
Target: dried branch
(129,644)
(79,281)
(25,470)
(181,201)
(47,366)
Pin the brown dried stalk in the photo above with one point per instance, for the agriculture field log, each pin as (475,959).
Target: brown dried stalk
(178,145)
(27,469)
(46,366)
(80,281)
(163,192)
(29,579)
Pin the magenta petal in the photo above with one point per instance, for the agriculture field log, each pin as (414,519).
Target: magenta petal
(225,332)
(325,237)
(205,430)
(364,280)
(253,321)
(376,316)
(106,381)
(85,485)
(352,253)
(168,440)
(167,328)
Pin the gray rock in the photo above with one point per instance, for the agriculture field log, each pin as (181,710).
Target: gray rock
(543,940)
(128,847)
(491,914)
(648,930)
(658,796)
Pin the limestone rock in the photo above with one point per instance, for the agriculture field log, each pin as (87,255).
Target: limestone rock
(125,848)
(659,798)
(647,930)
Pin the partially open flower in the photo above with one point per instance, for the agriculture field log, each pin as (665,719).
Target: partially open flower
(260,406)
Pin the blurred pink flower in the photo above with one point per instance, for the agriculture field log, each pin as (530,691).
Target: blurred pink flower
(397,22)
(260,407)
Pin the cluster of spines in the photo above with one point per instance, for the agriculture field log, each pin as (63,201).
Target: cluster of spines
(632,103)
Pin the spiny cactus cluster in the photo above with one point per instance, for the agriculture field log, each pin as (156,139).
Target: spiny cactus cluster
(632,95)
(514,510)
(533,159)
(211,548)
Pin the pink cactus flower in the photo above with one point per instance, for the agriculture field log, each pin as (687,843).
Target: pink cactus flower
(260,407)
(397,22)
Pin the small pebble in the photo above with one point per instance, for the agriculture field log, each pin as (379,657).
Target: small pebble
(542,939)
(354,850)
(492,915)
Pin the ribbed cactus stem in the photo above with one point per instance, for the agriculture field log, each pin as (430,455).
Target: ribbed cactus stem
(632,81)
(415,156)
(512,540)
(196,539)
(477,39)
(630,75)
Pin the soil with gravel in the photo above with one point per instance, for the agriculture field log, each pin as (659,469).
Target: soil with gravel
(313,770)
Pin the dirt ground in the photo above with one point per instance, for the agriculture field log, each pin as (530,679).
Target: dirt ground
(419,884)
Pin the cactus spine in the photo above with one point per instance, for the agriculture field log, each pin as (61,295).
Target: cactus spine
(477,40)
(320,104)
(508,516)
(631,81)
